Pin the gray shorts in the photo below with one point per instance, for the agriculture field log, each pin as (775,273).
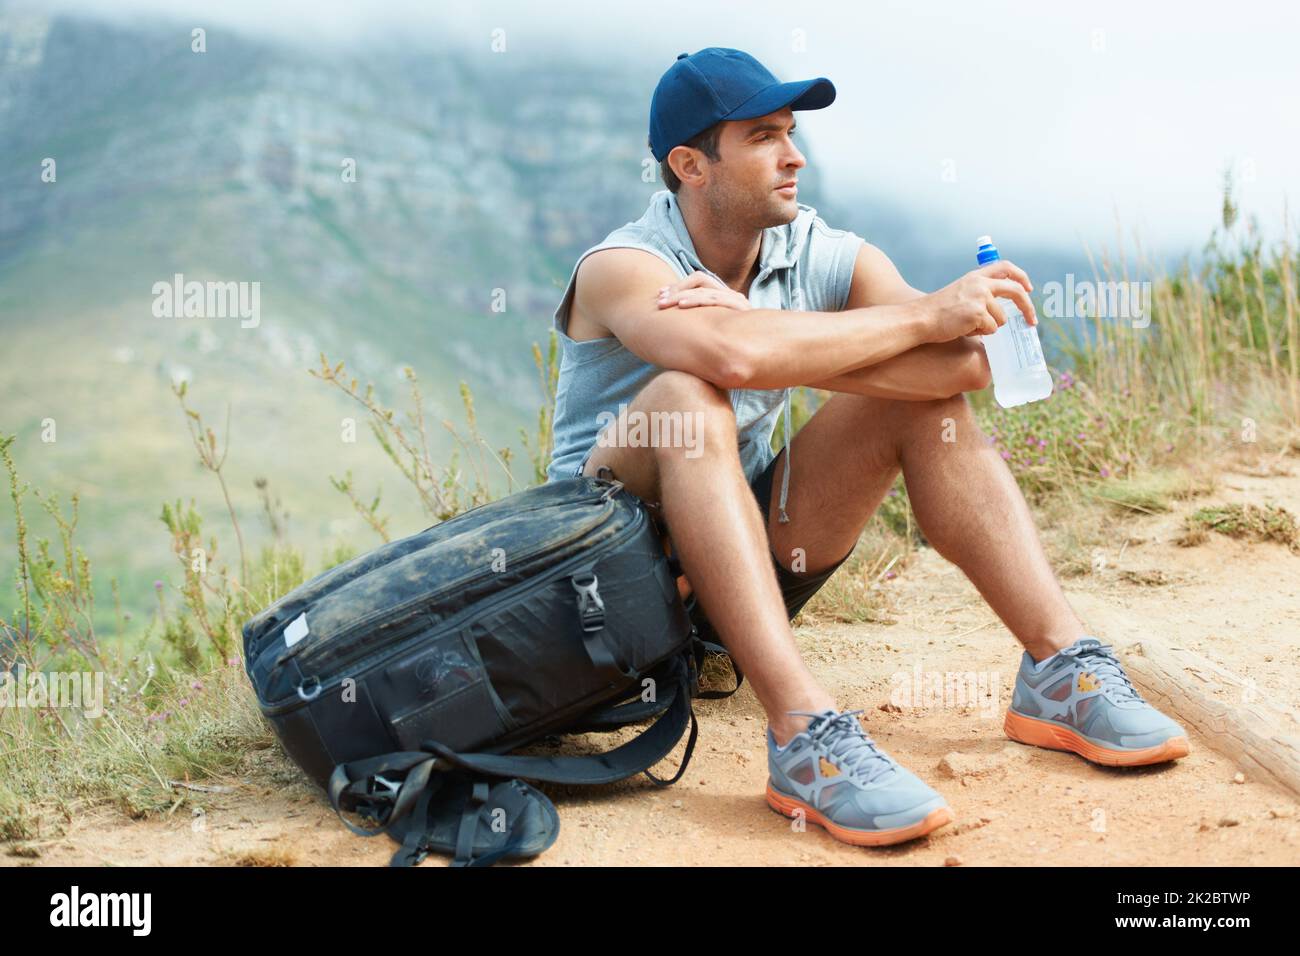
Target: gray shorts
(796,589)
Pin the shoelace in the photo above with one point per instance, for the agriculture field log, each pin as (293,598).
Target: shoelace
(1101,661)
(844,739)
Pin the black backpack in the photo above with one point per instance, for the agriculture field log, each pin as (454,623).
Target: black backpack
(400,679)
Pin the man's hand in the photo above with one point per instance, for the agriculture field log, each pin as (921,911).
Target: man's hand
(700,288)
(969,305)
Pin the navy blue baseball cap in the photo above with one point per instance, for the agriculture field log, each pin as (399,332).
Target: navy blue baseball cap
(717,84)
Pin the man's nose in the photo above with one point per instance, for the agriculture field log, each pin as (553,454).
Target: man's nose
(794,158)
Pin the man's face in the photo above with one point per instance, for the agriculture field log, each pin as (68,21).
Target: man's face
(758,156)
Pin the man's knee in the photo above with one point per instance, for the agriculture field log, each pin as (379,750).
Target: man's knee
(893,424)
(938,421)
(689,416)
(673,390)
(954,408)
(677,415)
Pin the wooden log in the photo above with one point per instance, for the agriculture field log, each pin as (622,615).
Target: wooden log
(1228,712)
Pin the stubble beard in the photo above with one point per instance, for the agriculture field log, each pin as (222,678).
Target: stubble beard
(735,209)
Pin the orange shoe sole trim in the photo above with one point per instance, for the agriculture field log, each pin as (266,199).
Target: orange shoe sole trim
(790,806)
(1041,733)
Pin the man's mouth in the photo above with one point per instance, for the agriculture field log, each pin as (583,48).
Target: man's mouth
(790,188)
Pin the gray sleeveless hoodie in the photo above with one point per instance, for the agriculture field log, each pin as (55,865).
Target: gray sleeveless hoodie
(804,265)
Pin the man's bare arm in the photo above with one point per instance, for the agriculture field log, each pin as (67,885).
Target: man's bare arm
(927,372)
(775,348)
(930,371)
(755,348)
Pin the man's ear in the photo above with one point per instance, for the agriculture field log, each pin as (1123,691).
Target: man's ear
(685,162)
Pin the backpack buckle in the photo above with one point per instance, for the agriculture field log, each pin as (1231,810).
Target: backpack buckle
(591,608)
(389,788)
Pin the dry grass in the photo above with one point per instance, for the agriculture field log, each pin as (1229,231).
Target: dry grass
(1154,492)
(259,856)
(854,595)
(1252,522)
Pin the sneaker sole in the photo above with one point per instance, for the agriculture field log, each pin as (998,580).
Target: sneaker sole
(789,806)
(1041,733)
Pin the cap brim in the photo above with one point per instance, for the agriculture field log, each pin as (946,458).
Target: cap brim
(813,94)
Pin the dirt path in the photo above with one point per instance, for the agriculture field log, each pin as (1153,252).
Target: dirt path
(1234,602)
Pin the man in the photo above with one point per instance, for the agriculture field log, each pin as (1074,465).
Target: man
(723,296)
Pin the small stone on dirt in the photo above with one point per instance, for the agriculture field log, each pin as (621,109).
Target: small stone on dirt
(958,766)
(970,825)
(953,860)
(1239,778)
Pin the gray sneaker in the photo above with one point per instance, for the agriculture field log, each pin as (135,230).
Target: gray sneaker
(838,777)
(1080,699)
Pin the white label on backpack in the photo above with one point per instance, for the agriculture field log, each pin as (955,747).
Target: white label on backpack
(296,630)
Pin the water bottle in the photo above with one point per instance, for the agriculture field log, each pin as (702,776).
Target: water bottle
(1015,355)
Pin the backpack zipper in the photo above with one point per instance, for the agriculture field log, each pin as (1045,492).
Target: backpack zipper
(361,664)
(291,611)
(397,615)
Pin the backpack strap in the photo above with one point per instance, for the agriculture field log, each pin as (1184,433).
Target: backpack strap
(629,709)
(595,639)
(376,787)
(469,823)
(412,850)
(364,786)
(477,821)
(636,756)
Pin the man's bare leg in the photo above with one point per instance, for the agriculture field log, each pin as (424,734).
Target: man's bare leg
(718,534)
(969,506)
(964,496)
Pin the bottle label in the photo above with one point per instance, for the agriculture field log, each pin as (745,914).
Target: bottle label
(1029,352)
